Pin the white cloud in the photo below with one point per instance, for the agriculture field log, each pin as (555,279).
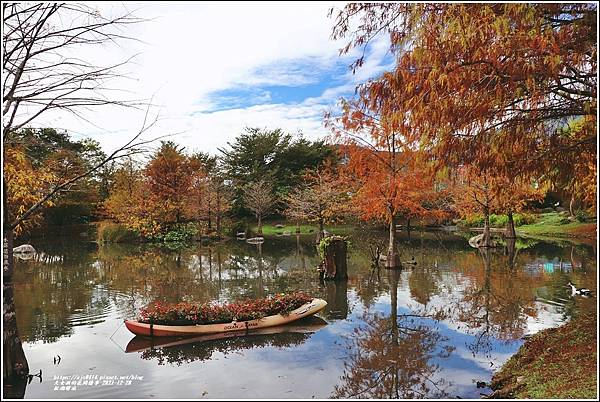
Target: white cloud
(213,130)
(190,51)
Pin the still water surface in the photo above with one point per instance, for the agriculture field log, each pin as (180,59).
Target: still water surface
(430,331)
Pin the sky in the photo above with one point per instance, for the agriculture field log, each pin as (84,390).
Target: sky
(212,69)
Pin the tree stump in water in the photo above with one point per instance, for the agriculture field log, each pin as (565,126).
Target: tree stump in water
(334,265)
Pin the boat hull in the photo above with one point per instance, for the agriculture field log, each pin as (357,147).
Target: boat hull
(305,310)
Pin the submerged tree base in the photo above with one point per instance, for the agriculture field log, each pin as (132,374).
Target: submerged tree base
(554,363)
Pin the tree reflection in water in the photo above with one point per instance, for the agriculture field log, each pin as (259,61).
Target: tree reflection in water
(496,305)
(337,299)
(393,357)
(202,351)
(181,350)
(14,364)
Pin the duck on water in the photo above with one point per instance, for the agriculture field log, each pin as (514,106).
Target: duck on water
(579,291)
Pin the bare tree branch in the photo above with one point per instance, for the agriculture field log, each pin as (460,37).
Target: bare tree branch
(41,70)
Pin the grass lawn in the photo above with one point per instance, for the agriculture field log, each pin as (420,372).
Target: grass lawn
(553,225)
(554,363)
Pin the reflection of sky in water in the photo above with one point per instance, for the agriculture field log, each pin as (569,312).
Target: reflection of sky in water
(462,367)
(91,292)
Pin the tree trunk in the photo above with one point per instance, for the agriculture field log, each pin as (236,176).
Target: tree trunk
(209,216)
(572,206)
(14,365)
(392,260)
(486,241)
(218,213)
(408,227)
(510,227)
(14,390)
(336,266)
(218,223)
(7,238)
(260,224)
(7,253)
(320,233)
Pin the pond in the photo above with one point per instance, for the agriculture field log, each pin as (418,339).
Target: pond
(429,331)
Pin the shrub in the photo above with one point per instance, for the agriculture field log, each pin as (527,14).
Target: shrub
(582,216)
(110,232)
(475,220)
(498,220)
(179,234)
(524,219)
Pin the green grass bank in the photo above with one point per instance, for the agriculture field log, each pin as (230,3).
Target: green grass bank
(556,363)
(555,224)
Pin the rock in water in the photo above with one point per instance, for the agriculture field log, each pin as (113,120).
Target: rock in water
(24,249)
(475,241)
(24,252)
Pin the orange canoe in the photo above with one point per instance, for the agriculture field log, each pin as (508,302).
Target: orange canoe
(305,310)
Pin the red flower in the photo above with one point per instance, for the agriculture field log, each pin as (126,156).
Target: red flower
(188,314)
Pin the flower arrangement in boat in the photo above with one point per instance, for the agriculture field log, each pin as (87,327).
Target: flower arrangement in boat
(208,313)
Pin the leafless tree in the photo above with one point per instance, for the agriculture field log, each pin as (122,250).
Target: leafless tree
(259,198)
(321,200)
(43,74)
(44,71)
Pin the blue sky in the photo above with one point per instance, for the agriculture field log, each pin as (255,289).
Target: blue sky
(212,69)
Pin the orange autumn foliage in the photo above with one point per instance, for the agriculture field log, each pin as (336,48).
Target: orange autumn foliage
(169,176)
(382,193)
(130,201)
(25,186)
(473,76)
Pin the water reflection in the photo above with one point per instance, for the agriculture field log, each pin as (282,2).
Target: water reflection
(393,356)
(337,299)
(381,324)
(187,350)
(495,304)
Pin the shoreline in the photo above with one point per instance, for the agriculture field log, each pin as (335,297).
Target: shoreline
(554,363)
